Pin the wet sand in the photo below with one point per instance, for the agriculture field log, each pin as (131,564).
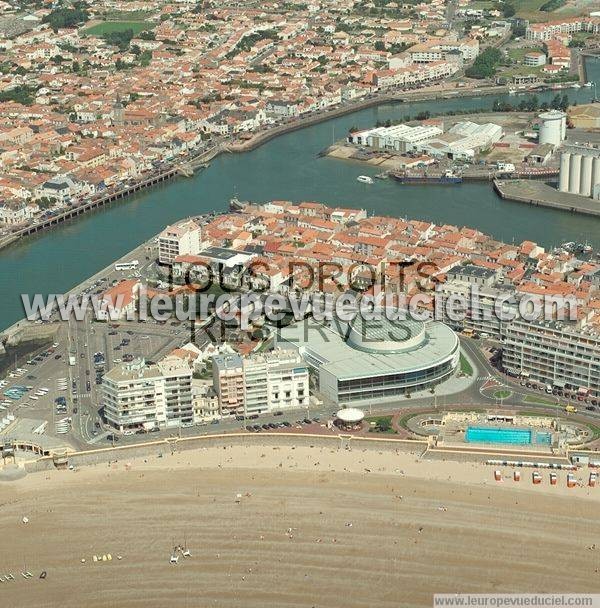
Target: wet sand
(387,531)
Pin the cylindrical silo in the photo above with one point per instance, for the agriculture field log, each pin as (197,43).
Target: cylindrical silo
(575,173)
(563,128)
(595,172)
(551,131)
(585,186)
(563,177)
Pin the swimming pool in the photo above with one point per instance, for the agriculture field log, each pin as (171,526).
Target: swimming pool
(476,434)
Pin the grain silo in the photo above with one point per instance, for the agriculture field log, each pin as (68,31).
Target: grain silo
(552,127)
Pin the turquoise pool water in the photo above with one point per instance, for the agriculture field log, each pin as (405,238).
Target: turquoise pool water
(543,438)
(476,434)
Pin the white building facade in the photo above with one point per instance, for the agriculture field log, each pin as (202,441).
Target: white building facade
(180,239)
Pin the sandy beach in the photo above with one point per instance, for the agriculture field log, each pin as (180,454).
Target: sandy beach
(314,527)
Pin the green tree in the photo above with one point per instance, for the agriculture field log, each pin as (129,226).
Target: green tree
(20,94)
(485,64)
(147,35)
(145,58)
(119,39)
(66,17)
(384,425)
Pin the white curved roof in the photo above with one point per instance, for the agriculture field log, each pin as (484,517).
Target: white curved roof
(350,414)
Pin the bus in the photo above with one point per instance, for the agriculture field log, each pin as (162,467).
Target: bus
(127,265)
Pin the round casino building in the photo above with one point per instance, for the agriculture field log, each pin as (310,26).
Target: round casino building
(374,360)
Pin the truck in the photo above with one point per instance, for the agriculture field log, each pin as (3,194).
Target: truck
(506,167)
(72,359)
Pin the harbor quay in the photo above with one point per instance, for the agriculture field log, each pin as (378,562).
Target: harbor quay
(538,193)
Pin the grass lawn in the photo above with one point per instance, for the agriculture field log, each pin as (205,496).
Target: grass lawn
(530,9)
(465,366)
(521,70)
(542,400)
(108,27)
(532,414)
(519,53)
(502,394)
(381,422)
(125,15)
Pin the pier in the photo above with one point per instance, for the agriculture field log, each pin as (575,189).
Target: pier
(540,194)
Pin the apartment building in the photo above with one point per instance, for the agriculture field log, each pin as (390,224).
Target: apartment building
(287,380)
(180,239)
(140,396)
(480,313)
(546,31)
(133,396)
(177,389)
(228,382)
(560,354)
(260,383)
(256,394)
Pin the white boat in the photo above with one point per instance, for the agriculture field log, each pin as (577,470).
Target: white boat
(576,86)
(588,84)
(364,179)
(512,91)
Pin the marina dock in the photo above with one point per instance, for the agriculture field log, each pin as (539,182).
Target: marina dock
(540,194)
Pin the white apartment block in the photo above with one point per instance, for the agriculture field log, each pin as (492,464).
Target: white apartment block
(256,394)
(133,396)
(428,53)
(261,383)
(560,354)
(534,59)
(139,396)
(287,380)
(177,386)
(547,31)
(180,239)
(275,381)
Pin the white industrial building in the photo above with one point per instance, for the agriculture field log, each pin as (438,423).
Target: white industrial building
(463,140)
(400,138)
(553,127)
(580,171)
